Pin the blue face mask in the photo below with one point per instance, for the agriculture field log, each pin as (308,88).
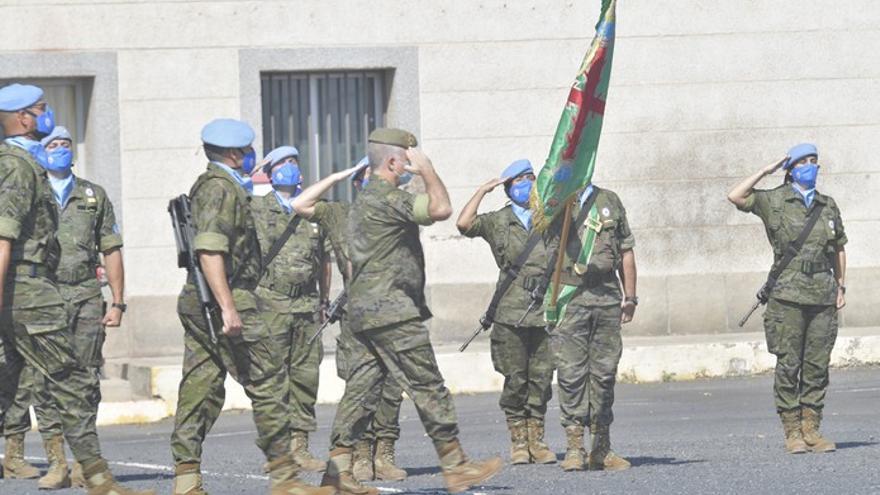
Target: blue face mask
(404,178)
(519,193)
(45,122)
(805,175)
(249,162)
(60,159)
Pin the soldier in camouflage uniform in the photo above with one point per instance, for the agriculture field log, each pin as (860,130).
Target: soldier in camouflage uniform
(373,456)
(520,350)
(289,291)
(386,311)
(586,341)
(87,229)
(800,321)
(229,254)
(34,328)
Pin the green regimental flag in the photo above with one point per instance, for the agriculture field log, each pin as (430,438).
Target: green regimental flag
(569,166)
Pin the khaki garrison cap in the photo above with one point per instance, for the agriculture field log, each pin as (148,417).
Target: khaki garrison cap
(393,137)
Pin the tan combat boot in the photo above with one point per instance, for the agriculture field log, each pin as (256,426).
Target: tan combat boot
(283,479)
(519,442)
(188,479)
(338,475)
(386,469)
(575,455)
(56,476)
(601,457)
(362,461)
(539,452)
(460,472)
(299,446)
(14,464)
(99,481)
(794,437)
(810,420)
(77,480)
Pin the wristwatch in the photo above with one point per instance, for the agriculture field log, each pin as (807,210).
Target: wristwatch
(843,288)
(634,300)
(122,306)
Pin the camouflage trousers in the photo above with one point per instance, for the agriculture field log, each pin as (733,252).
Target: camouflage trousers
(801,337)
(291,332)
(254,360)
(386,420)
(88,339)
(404,353)
(29,336)
(523,356)
(587,348)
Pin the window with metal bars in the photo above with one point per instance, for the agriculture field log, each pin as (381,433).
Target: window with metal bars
(326,115)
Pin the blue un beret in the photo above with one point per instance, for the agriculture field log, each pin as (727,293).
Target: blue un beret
(16,97)
(228,133)
(59,132)
(278,154)
(800,151)
(516,169)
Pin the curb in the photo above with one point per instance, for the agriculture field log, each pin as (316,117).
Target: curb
(644,360)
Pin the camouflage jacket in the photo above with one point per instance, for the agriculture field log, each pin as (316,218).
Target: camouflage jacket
(87,227)
(332,216)
(224,223)
(809,278)
(599,285)
(28,218)
(291,279)
(507,238)
(388,264)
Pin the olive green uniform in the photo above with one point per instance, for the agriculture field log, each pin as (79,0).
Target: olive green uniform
(34,326)
(289,292)
(520,353)
(87,227)
(800,321)
(224,223)
(333,217)
(386,311)
(586,342)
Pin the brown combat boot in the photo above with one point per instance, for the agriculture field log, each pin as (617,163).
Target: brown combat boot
(519,442)
(362,461)
(810,420)
(460,472)
(386,469)
(77,480)
(794,437)
(539,452)
(188,479)
(299,446)
(601,457)
(283,479)
(99,481)
(14,464)
(56,476)
(575,455)
(338,475)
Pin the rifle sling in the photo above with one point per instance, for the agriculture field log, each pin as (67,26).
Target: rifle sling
(281,241)
(794,248)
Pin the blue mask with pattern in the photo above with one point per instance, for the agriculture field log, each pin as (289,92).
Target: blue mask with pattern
(519,193)
(805,175)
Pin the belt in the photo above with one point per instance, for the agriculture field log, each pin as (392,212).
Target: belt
(32,270)
(811,267)
(75,275)
(588,280)
(289,290)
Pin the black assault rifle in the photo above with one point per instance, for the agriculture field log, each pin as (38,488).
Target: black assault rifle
(334,314)
(184,232)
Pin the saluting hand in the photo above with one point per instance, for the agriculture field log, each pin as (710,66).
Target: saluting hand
(491,185)
(231,322)
(773,167)
(419,163)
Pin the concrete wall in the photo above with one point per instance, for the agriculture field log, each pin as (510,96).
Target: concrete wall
(703,93)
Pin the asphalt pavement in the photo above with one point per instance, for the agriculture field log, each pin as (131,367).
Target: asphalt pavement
(699,437)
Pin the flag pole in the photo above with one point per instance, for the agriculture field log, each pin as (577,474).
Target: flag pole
(560,255)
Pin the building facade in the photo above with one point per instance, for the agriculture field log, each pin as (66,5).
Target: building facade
(702,94)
